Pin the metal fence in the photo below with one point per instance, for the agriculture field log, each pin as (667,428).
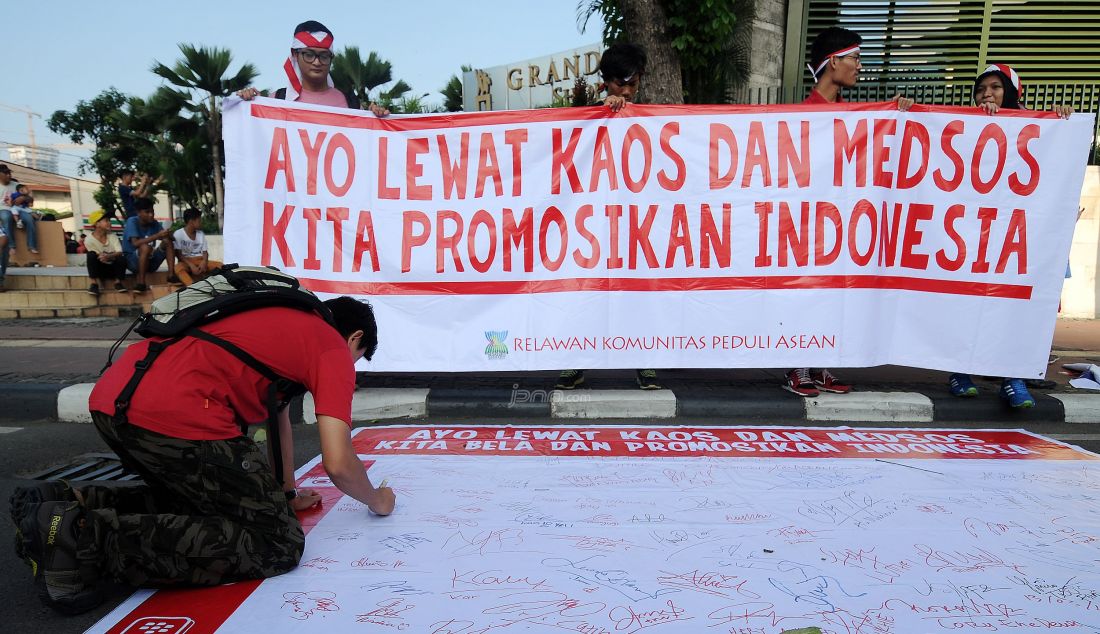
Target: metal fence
(1083,97)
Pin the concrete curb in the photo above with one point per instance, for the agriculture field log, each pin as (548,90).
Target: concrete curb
(613,404)
(29,401)
(1080,408)
(72,403)
(871,407)
(378,403)
(69,403)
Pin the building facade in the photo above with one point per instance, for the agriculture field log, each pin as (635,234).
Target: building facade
(40,158)
(532,83)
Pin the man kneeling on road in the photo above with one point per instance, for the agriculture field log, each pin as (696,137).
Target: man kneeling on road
(211,510)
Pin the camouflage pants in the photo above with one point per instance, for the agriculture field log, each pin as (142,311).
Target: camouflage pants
(210,512)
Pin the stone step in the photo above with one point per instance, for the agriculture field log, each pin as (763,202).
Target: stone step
(81,298)
(50,281)
(43,299)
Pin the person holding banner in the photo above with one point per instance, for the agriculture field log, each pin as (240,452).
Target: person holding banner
(999,87)
(307,72)
(621,68)
(835,65)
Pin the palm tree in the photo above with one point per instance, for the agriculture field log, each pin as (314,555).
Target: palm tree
(177,151)
(351,73)
(202,75)
(410,105)
(452,92)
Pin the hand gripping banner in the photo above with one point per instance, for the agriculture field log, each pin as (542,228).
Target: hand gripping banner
(671,236)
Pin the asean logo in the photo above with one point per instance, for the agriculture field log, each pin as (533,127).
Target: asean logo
(496,348)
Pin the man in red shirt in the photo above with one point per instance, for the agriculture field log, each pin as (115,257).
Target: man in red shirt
(835,65)
(211,510)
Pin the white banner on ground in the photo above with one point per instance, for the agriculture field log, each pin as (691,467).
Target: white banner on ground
(607,530)
(671,236)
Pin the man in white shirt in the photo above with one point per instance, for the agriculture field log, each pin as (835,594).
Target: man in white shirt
(194,259)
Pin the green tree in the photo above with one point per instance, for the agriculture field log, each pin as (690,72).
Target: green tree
(452,92)
(351,73)
(202,77)
(409,105)
(695,51)
(97,122)
(178,150)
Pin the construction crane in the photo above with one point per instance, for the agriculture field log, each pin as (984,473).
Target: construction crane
(30,129)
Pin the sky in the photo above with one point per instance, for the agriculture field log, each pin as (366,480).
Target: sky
(80,49)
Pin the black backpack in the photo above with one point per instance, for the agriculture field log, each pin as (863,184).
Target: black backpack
(229,290)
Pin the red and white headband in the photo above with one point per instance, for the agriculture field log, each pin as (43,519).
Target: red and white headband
(1007,71)
(303,39)
(841,53)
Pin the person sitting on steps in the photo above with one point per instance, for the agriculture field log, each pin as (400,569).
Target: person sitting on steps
(139,243)
(105,259)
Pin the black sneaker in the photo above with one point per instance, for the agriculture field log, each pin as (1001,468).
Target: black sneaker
(141,288)
(569,379)
(1040,384)
(647,380)
(121,288)
(93,290)
(30,495)
(49,534)
(172,279)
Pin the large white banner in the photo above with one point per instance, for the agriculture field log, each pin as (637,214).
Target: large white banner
(714,530)
(671,236)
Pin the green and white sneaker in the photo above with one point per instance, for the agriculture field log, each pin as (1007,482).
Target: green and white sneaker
(569,379)
(647,380)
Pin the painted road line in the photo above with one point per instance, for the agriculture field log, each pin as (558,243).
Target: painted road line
(1076,437)
(61,343)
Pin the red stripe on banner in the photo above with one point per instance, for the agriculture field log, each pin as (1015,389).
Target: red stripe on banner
(669,284)
(716,442)
(362,120)
(193,611)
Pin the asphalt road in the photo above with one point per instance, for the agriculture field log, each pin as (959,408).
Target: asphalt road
(30,447)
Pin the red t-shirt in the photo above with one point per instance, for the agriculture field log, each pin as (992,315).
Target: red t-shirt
(197,391)
(816,97)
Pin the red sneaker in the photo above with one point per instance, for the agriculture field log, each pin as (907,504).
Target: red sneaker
(799,382)
(826,382)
